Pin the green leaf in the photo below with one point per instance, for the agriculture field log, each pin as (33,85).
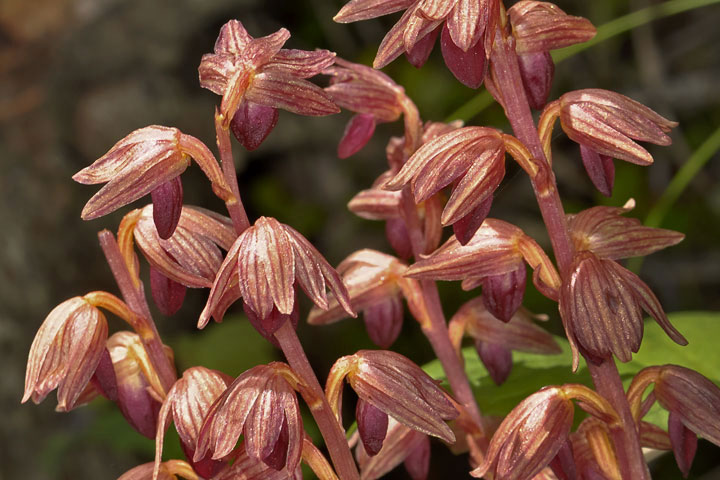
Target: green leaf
(531,372)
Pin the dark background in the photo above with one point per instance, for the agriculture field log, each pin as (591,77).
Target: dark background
(78,75)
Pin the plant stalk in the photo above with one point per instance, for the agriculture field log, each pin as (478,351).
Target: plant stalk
(605,377)
(314,395)
(235,207)
(135,299)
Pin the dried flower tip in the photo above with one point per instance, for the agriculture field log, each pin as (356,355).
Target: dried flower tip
(542,26)
(192,256)
(692,397)
(252,123)
(140,163)
(600,169)
(261,405)
(65,352)
(609,123)
(601,305)
(536,70)
(186,404)
(261,72)
(372,426)
(396,386)
(606,233)
(268,258)
(529,437)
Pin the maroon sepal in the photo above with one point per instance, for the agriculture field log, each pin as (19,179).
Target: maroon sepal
(104,378)
(496,358)
(277,459)
(372,425)
(537,70)
(398,237)
(167,201)
(468,67)
(420,52)
(207,467)
(600,169)
(465,228)
(684,443)
(269,325)
(357,133)
(253,123)
(503,293)
(167,293)
(417,463)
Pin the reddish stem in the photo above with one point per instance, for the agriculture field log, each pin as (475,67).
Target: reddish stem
(314,395)
(135,299)
(235,206)
(605,376)
(436,330)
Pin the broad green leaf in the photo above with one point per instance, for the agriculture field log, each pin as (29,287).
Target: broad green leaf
(531,372)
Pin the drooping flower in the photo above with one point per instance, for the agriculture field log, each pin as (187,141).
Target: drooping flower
(256,76)
(169,470)
(262,406)
(469,27)
(65,352)
(495,339)
(394,385)
(601,305)
(267,260)
(142,162)
(472,156)
(494,249)
(376,287)
(610,124)
(187,403)
(605,232)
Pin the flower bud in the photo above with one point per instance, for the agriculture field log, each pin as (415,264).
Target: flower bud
(167,202)
(372,426)
(536,70)
(252,123)
(529,437)
(503,293)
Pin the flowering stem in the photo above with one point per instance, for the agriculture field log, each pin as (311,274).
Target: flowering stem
(331,430)
(435,328)
(605,376)
(134,296)
(235,206)
(625,436)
